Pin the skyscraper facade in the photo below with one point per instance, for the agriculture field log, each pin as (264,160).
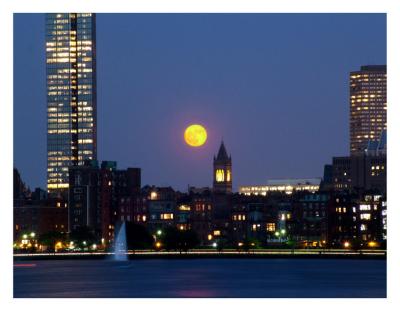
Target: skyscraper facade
(71,94)
(367,106)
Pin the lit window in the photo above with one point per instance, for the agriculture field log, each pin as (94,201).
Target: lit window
(363,227)
(219,175)
(228,175)
(365,207)
(270,226)
(365,216)
(184,208)
(167,216)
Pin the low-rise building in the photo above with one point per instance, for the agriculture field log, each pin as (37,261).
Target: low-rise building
(310,214)
(287,186)
(39,219)
(357,220)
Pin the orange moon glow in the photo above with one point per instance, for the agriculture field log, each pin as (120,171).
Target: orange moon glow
(195,135)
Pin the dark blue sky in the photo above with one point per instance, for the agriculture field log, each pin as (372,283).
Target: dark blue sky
(274,86)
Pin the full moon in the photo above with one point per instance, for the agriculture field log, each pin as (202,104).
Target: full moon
(195,135)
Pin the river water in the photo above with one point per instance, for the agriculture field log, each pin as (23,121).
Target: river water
(192,278)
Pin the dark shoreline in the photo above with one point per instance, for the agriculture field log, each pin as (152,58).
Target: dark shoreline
(202,256)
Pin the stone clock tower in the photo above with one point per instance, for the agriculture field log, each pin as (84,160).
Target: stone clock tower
(222,173)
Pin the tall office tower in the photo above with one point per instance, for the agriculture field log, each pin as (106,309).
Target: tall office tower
(71,95)
(367,106)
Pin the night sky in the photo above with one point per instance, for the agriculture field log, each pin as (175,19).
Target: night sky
(273,86)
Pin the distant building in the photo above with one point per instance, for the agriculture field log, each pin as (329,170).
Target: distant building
(252,218)
(357,220)
(327,180)
(39,194)
(360,172)
(161,204)
(222,171)
(100,197)
(20,191)
(282,185)
(71,95)
(198,189)
(39,219)
(364,171)
(18,185)
(368,105)
(310,214)
(202,216)
(183,213)
(83,196)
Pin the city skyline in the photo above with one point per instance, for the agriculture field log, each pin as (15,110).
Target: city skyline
(274,156)
(222,138)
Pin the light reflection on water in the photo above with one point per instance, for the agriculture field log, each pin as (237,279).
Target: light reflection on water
(202,278)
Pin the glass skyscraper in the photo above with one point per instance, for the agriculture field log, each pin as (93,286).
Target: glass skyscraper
(71,94)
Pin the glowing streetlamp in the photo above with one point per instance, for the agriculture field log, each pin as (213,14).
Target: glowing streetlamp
(372,244)
(58,246)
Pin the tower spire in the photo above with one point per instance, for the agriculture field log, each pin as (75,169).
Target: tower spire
(222,154)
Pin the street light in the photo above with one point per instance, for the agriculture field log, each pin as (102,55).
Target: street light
(159,232)
(372,244)
(33,234)
(283,231)
(214,244)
